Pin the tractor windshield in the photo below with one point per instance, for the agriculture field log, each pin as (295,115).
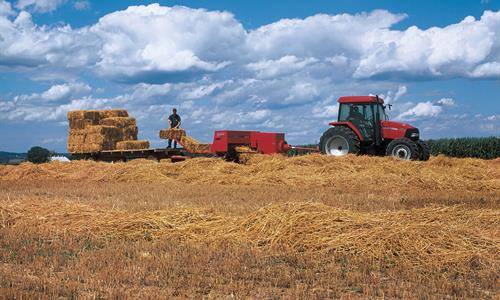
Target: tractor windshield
(360,114)
(355,112)
(380,110)
(348,112)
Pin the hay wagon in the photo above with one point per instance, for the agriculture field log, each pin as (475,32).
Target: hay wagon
(126,155)
(111,135)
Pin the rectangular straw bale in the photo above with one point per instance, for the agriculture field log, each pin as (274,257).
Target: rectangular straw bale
(73,148)
(78,132)
(129,133)
(76,114)
(93,115)
(132,145)
(81,123)
(113,113)
(83,148)
(76,138)
(106,136)
(84,114)
(172,133)
(118,121)
(97,114)
(96,138)
(109,131)
(89,147)
(78,148)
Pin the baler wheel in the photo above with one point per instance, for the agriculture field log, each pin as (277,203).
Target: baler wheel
(232,155)
(339,141)
(403,148)
(425,153)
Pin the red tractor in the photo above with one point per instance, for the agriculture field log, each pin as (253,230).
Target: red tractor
(363,127)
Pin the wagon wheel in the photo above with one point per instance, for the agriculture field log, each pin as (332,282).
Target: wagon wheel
(152,158)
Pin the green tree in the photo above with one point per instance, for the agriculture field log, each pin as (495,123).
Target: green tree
(38,155)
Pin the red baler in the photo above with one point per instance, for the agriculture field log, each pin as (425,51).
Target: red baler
(225,141)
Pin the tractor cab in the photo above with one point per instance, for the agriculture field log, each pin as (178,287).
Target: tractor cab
(364,127)
(363,115)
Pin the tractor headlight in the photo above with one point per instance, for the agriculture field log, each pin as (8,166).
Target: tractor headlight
(412,133)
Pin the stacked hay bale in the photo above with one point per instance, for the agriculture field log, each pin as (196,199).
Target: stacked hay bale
(132,145)
(93,138)
(186,141)
(127,126)
(98,130)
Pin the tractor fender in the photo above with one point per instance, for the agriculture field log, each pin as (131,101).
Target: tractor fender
(351,126)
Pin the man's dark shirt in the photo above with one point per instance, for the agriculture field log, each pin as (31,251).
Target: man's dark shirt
(356,115)
(174,120)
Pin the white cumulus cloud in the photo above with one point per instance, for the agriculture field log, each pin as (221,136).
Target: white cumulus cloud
(61,91)
(326,111)
(487,70)
(395,96)
(81,5)
(493,118)
(5,8)
(25,44)
(320,35)
(446,102)
(422,109)
(455,50)
(285,65)
(49,105)
(41,6)
(159,44)
(148,43)
(57,93)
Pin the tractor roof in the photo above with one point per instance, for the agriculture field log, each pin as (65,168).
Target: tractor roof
(360,99)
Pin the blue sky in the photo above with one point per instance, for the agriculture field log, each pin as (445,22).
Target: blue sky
(263,65)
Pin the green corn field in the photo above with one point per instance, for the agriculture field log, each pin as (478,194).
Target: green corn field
(485,147)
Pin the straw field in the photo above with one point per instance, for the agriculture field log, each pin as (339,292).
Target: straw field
(299,227)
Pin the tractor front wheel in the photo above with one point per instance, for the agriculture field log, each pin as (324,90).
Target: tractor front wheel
(425,153)
(403,148)
(339,141)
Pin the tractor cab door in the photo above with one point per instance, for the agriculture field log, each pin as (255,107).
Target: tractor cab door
(361,115)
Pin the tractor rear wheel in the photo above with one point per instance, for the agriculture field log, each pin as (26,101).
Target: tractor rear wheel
(425,153)
(403,148)
(339,141)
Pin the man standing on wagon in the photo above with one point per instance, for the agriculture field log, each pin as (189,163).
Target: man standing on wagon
(174,122)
